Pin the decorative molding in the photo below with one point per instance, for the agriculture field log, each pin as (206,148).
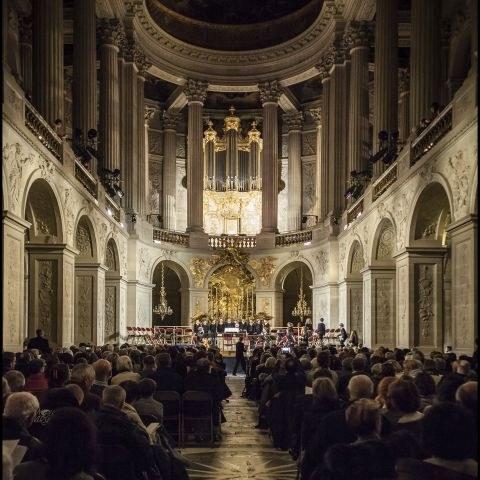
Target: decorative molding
(47,297)
(294,121)
(110,311)
(358,34)
(270,92)
(195,90)
(425,302)
(109,31)
(386,243)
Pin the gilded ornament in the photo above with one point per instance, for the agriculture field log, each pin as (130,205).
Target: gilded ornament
(264,268)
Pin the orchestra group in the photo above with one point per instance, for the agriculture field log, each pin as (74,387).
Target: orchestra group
(257,332)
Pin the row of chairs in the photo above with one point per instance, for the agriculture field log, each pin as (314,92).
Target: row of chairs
(182,414)
(161,335)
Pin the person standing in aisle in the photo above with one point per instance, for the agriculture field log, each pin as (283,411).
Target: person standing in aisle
(240,356)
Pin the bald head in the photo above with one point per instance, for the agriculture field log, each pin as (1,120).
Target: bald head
(360,386)
(467,395)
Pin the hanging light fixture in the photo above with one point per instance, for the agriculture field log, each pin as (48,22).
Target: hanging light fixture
(301,309)
(162,308)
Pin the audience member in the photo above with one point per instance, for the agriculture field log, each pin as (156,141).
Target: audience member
(146,404)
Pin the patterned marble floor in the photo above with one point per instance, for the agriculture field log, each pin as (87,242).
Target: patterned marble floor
(244,452)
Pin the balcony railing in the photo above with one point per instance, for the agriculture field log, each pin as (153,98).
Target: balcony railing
(293,238)
(112,208)
(86,178)
(355,211)
(439,127)
(168,236)
(240,241)
(388,178)
(43,131)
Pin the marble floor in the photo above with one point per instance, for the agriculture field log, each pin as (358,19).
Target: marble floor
(244,452)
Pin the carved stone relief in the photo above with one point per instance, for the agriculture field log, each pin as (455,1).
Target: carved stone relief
(14,161)
(12,298)
(356,311)
(155,186)
(309,143)
(308,187)
(341,258)
(110,312)
(384,311)
(358,262)
(155,142)
(459,170)
(264,268)
(144,264)
(181,146)
(402,292)
(385,244)
(83,239)
(462,287)
(47,297)
(322,260)
(110,261)
(68,214)
(401,209)
(424,312)
(84,308)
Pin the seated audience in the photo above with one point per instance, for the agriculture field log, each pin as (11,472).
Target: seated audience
(125,371)
(364,420)
(36,380)
(16,381)
(103,373)
(146,404)
(166,378)
(83,375)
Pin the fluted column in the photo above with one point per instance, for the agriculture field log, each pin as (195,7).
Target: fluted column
(196,92)
(316,114)
(294,215)
(109,33)
(404,105)
(424,58)
(142,189)
(358,38)
(47,74)
(25,31)
(84,91)
(170,122)
(269,95)
(326,189)
(338,129)
(385,116)
(130,127)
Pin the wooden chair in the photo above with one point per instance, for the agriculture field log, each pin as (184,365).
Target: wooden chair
(196,409)
(172,406)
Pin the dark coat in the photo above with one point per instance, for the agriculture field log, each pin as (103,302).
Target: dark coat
(239,349)
(168,379)
(12,430)
(39,343)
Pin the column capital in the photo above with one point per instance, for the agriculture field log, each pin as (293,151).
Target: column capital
(358,34)
(109,31)
(270,92)
(170,120)
(150,111)
(25,29)
(294,121)
(338,52)
(316,114)
(324,66)
(134,54)
(195,90)
(403,80)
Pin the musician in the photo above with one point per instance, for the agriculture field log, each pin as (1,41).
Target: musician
(258,327)
(289,328)
(206,328)
(243,325)
(343,335)
(321,329)
(251,327)
(200,333)
(290,335)
(266,328)
(213,332)
(220,327)
(196,325)
(308,325)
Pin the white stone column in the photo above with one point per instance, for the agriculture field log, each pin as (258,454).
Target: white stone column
(50,292)
(141,152)
(170,122)
(14,315)
(196,92)
(84,91)
(48,96)
(269,95)
(110,35)
(316,114)
(385,104)
(338,129)
(26,50)
(463,244)
(358,39)
(294,123)
(424,58)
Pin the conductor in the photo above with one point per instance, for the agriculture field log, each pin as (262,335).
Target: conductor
(239,356)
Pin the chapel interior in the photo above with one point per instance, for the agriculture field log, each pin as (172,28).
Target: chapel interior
(172,163)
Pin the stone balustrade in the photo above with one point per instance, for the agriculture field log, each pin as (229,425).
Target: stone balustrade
(241,241)
(355,211)
(86,179)
(169,236)
(293,238)
(437,129)
(112,208)
(43,131)
(387,179)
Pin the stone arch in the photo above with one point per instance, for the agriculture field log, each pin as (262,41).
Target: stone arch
(384,241)
(282,277)
(431,215)
(184,283)
(85,239)
(356,259)
(112,259)
(41,208)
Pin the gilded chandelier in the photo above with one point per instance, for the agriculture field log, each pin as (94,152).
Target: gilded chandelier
(162,309)
(301,309)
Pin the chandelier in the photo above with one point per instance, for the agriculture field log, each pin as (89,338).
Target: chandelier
(301,309)
(162,308)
